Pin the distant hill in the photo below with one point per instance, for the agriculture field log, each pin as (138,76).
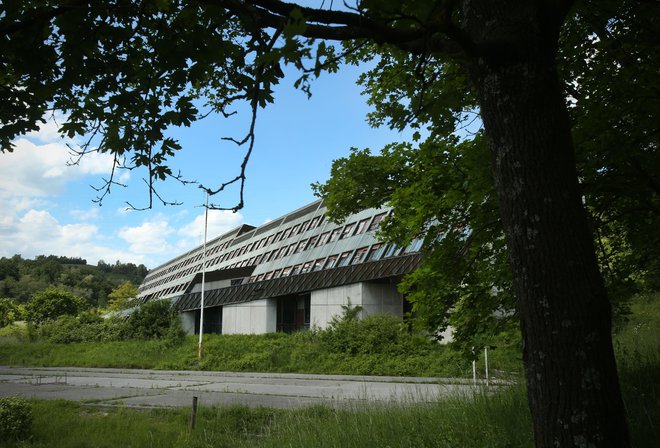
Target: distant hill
(20,278)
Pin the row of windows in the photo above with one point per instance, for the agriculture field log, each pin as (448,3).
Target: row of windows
(274,238)
(362,255)
(355,228)
(351,257)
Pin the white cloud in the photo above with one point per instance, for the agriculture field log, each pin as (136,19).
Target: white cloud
(37,218)
(220,221)
(37,232)
(41,170)
(48,131)
(32,185)
(85,215)
(148,238)
(157,240)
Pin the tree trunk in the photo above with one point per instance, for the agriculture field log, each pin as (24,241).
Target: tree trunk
(572,381)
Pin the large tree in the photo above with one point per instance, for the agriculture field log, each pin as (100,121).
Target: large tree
(124,71)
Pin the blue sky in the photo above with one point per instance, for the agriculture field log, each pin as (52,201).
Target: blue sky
(47,207)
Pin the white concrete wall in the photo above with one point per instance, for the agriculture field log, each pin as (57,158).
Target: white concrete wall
(325,303)
(381,298)
(257,317)
(188,321)
(373,298)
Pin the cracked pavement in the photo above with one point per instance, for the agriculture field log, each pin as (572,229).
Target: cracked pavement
(169,388)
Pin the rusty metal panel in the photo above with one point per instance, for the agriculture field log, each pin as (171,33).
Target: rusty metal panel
(373,270)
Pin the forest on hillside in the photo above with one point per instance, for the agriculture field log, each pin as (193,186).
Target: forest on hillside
(20,278)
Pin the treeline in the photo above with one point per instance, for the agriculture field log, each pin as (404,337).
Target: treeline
(21,278)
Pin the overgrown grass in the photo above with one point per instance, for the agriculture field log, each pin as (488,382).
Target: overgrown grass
(493,420)
(637,345)
(381,349)
(502,422)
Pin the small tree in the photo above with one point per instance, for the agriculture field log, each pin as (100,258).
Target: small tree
(15,419)
(118,298)
(52,303)
(9,311)
(155,319)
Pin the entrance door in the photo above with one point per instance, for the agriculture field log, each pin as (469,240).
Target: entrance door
(212,320)
(293,313)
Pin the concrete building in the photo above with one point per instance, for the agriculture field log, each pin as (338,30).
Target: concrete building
(292,273)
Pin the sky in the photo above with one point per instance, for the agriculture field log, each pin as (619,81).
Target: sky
(46,206)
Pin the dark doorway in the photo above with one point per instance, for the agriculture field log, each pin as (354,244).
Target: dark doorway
(293,313)
(212,320)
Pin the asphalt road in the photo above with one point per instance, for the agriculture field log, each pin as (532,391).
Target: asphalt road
(159,388)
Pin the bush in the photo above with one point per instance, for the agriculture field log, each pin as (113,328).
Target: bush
(52,303)
(155,319)
(375,334)
(15,419)
(9,312)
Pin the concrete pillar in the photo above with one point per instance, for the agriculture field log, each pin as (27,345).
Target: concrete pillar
(188,321)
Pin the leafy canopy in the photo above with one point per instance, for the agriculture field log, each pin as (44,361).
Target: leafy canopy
(123,72)
(442,190)
(52,303)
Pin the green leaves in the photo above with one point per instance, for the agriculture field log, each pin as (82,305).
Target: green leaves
(609,63)
(441,192)
(52,303)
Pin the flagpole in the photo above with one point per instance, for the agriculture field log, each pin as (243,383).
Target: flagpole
(201,305)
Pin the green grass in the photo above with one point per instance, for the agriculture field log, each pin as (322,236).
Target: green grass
(497,420)
(503,421)
(637,345)
(303,352)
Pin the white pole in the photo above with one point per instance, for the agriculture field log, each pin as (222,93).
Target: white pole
(201,304)
(474,366)
(486,359)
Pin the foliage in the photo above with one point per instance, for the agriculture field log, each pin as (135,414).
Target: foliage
(377,345)
(52,303)
(609,61)
(10,311)
(442,190)
(153,320)
(15,419)
(374,334)
(118,297)
(119,77)
(21,278)
(442,193)
(70,329)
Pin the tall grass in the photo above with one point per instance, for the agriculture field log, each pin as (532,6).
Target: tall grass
(489,421)
(637,344)
(382,348)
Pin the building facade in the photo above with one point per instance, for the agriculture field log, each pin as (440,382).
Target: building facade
(294,272)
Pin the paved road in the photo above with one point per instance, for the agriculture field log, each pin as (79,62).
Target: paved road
(160,388)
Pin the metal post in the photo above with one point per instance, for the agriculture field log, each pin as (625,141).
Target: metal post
(201,305)
(193,416)
(486,359)
(474,372)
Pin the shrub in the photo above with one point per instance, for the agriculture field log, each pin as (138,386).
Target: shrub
(15,419)
(65,330)
(154,320)
(375,334)
(52,303)
(9,312)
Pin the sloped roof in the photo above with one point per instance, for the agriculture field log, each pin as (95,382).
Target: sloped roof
(295,284)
